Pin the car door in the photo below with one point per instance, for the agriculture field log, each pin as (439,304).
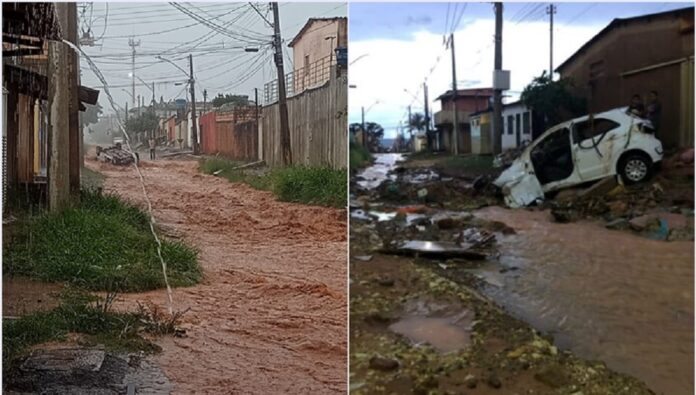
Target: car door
(594,146)
(552,159)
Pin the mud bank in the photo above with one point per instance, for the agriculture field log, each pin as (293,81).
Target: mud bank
(270,314)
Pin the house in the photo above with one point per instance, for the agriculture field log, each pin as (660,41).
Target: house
(27,30)
(314,51)
(518,128)
(465,102)
(635,56)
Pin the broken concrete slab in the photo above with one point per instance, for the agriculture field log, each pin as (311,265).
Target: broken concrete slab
(65,359)
(435,249)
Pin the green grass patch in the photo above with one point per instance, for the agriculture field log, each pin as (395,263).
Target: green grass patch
(319,186)
(80,312)
(359,156)
(100,244)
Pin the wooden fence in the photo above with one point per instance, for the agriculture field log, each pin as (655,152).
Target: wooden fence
(221,134)
(318,127)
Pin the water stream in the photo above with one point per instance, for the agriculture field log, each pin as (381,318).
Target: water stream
(605,295)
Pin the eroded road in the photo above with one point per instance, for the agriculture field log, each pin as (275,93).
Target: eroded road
(270,314)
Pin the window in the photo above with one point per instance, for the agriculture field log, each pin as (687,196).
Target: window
(588,129)
(526,123)
(509,124)
(517,124)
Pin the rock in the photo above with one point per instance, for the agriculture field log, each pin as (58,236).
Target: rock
(600,188)
(447,223)
(643,222)
(619,223)
(470,381)
(494,381)
(618,208)
(566,194)
(564,216)
(685,234)
(384,364)
(687,156)
(553,376)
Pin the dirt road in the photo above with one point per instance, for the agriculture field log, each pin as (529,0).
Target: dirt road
(270,314)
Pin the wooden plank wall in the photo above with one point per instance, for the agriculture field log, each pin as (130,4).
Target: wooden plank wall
(318,127)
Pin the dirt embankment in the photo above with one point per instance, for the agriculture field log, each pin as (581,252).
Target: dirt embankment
(270,314)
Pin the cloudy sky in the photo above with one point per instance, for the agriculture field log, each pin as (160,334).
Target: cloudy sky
(221,64)
(395,47)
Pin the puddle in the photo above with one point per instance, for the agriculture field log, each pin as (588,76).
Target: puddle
(606,295)
(436,325)
(371,177)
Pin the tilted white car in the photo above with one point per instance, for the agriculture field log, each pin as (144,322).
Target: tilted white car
(581,150)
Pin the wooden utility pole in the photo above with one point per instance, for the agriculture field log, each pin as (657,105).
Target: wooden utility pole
(427,116)
(455,123)
(194,127)
(551,9)
(498,93)
(282,99)
(58,128)
(67,18)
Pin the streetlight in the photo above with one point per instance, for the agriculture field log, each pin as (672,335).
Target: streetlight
(332,38)
(358,58)
(251,49)
(173,64)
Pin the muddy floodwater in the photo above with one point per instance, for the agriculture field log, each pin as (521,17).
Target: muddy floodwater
(606,295)
(374,175)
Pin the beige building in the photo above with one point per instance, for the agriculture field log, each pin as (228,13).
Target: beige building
(314,53)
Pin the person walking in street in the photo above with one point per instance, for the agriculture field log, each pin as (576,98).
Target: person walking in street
(654,111)
(153,143)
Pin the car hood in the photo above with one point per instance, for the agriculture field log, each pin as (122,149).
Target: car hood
(519,184)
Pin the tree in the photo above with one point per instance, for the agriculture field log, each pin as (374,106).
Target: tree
(91,114)
(373,131)
(553,100)
(147,123)
(236,100)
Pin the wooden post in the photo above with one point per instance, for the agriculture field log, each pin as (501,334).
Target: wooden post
(67,17)
(59,122)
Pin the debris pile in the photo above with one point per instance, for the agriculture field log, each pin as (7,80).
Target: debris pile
(652,210)
(116,155)
(506,158)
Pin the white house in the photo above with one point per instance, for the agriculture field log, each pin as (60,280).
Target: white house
(517,128)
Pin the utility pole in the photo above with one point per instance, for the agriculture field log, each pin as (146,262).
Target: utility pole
(364,132)
(427,116)
(194,127)
(132,43)
(153,95)
(205,100)
(58,136)
(498,93)
(551,9)
(455,124)
(282,99)
(410,127)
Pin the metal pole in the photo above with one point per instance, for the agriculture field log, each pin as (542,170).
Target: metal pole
(364,133)
(194,127)
(551,10)
(455,123)
(497,93)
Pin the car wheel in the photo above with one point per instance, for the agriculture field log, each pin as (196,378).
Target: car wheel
(636,168)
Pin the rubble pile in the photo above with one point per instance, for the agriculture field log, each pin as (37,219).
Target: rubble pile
(650,209)
(506,158)
(116,155)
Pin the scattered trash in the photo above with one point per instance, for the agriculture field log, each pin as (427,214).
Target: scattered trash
(363,258)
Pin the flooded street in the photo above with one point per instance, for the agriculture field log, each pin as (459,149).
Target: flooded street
(603,294)
(372,176)
(271,309)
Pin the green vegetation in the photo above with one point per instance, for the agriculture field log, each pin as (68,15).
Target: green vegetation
(80,312)
(100,244)
(298,184)
(469,162)
(359,156)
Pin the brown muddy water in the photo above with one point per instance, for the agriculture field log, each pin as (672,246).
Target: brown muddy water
(606,295)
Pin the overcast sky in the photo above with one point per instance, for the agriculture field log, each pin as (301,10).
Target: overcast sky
(396,46)
(220,63)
